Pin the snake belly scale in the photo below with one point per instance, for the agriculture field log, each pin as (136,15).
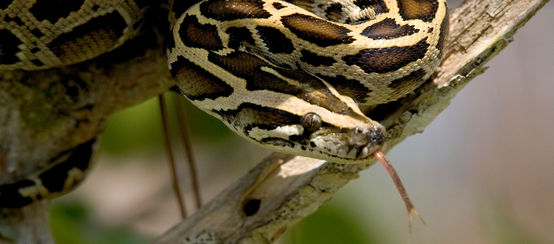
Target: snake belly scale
(293,76)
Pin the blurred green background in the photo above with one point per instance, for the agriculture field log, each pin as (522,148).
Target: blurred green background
(481,173)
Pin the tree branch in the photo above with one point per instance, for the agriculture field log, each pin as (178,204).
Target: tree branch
(283,189)
(43,113)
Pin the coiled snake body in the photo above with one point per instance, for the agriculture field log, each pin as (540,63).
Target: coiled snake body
(293,76)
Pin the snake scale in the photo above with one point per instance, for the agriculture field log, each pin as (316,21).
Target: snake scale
(293,76)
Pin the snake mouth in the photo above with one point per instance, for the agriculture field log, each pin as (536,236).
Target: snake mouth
(349,145)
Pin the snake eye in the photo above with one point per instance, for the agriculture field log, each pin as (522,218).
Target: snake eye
(310,121)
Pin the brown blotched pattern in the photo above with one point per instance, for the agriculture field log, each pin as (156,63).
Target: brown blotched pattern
(311,89)
(41,34)
(383,60)
(249,115)
(52,12)
(8,47)
(194,34)
(318,31)
(238,36)
(54,180)
(248,67)
(348,87)
(199,84)
(418,9)
(234,9)
(388,29)
(275,40)
(329,62)
(316,59)
(379,6)
(90,38)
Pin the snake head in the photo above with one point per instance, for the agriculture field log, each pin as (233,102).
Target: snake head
(313,136)
(346,145)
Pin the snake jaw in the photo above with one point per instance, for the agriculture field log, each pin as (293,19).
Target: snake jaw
(347,145)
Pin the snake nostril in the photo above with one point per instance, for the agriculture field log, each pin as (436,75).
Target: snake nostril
(376,136)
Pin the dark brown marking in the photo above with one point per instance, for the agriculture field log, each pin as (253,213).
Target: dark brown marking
(378,6)
(347,87)
(91,38)
(194,34)
(418,9)
(334,12)
(37,62)
(197,83)
(315,92)
(15,19)
(383,60)
(8,47)
(10,196)
(408,82)
(37,33)
(278,6)
(179,7)
(248,67)
(4,4)
(238,36)
(52,10)
(234,9)
(316,59)
(311,89)
(54,178)
(249,116)
(388,29)
(321,32)
(275,40)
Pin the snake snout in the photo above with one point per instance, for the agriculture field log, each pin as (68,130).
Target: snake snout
(366,136)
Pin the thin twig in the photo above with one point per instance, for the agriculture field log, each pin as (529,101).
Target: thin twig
(170,156)
(181,119)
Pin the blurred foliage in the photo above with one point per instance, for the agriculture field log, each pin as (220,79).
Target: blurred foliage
(332,223)
(502,226)
(139,128)
(135,129)
(71,223)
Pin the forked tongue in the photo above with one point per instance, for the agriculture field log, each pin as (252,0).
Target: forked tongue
(399,186)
